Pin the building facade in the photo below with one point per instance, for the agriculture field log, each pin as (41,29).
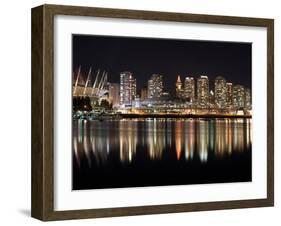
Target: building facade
(238,97)
(155,86)
(220,92)
(128,88)
(179,88)
(248,99)
(189,89)
(229,95)
(203,92)
(114,94)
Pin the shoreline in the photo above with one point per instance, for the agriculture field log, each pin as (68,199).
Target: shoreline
(163,116)
(182,116)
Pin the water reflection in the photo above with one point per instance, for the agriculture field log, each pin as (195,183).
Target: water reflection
(127,140)
(189,133)
(183,139)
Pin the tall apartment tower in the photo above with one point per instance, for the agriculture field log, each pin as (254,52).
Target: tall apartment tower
(155,86)
(128,88)
(114,94)
(220,92)
(229,95)
(238,97)
(189,89)
(203,92)
(248,99)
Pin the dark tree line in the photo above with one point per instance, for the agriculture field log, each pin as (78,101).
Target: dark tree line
(84,104)
(81,104)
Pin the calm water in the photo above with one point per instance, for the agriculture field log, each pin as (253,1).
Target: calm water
(154,152)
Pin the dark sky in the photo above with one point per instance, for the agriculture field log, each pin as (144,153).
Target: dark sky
(169,57)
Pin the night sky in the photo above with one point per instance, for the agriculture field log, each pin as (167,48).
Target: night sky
(169,57)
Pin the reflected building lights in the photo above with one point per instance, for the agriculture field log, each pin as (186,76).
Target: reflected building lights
(189,139)
(98,143)
(75,147)
(155,139)
(169,132)
(248,133)
(95,141)
(202,139)
(212,133)
(229,137)
(178,138)
(128,140)
(86,146)
(221,137)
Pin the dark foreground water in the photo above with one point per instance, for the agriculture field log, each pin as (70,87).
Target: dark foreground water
(154,152)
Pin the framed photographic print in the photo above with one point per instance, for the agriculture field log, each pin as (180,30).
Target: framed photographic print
(141,112)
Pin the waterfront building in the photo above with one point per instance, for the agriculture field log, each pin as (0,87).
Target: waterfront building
(248,99)
(212,101)
(189,89)
(127,88)
(114,94)
(78,90)
(155,86)
(238,97)
(179,88)
(95,86)
(136,103)
(229,95)
(220,92)
(203,92)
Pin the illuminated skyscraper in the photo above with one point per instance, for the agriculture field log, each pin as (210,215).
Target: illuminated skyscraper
(248,99)
(238,97)
(127,88)
(203,92)
(155,86)
(189,89)
(229,95)
(114,94)
(212,101)
(220,92)
(179,87)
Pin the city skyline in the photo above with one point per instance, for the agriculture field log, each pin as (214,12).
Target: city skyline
(192,93)
(179,85)
(145,56)
(145,110)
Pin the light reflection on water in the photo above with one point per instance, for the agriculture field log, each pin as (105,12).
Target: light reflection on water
(188,138)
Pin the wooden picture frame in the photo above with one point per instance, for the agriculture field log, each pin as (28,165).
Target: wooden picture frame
(43,108)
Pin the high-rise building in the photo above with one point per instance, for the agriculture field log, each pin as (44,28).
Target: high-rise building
(114,94)
(179,88)
(229,95)
(128,89)
(220,92)
(189,89)
(248,99)
(238,97)
(144,94)
(203,92)
(155,86)
(212,101)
